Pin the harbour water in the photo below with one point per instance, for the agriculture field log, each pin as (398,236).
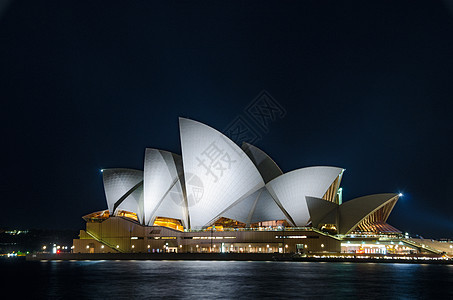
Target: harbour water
(224,279)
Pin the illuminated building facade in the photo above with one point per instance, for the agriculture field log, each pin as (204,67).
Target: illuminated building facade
(219,197)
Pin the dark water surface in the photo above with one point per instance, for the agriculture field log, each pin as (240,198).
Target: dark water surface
(224,279)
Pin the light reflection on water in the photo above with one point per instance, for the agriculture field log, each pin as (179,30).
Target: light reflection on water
(227,279)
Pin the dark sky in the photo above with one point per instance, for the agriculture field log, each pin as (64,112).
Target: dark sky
(366,85)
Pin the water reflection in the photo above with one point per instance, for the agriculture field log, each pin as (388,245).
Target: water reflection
(232,279)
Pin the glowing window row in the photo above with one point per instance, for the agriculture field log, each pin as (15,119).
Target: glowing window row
(212,237)
(291,237)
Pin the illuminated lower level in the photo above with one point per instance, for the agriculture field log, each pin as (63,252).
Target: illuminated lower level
(120,234)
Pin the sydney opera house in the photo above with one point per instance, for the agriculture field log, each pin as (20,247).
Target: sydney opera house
(219,197)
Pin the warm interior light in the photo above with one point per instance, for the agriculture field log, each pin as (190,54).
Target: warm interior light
(127,214)
(98,216)
(169,222)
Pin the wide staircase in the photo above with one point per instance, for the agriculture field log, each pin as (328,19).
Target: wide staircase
(104,242)
(422,247)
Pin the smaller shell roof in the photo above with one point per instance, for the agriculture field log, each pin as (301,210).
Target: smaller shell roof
(352,212)
(320,209)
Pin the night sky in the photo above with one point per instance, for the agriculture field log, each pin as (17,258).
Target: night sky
(85,85)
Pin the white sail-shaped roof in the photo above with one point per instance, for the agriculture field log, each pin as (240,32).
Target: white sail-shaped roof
(215,178)
(257,207)
(162,186)
(266,209)
(265,165)
(119,184)
(133,203)
(240,211)
(291,188)
(173,206)
(226,173)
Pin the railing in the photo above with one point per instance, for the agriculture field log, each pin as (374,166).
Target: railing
(103,241)
(421,246)
(325,234)
(272,229)
(253,229)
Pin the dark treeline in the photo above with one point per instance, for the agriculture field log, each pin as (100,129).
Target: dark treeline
(34,239)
